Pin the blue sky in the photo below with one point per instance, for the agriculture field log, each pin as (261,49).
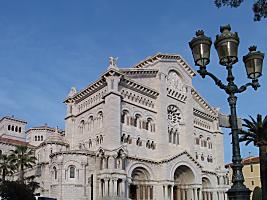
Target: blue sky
(48,46)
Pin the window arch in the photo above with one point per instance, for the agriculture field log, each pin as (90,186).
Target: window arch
(72,171)
(209,143)
(125,119)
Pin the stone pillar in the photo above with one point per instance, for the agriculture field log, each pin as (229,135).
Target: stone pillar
(200,194)
(111,186)
(138,192)
(171,196)
(178,194)
(166,192)
(225,196)
(123,188)
(115,187)
(195,194)
(148,192)
(106,187)
(144,191)
(100,188)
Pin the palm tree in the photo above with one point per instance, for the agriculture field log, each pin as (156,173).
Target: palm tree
(23,158)
(6,167)
(257,133)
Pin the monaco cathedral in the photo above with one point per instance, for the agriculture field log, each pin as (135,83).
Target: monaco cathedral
(137,133)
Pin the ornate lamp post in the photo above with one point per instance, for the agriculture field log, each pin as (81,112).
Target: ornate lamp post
(226,45)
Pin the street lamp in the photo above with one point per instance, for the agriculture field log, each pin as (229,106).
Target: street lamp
(226,45)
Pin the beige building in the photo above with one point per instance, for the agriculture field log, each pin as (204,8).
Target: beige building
(251,171)
(136,133)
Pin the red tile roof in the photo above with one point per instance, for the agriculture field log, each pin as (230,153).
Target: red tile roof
(14,142)
(247,161)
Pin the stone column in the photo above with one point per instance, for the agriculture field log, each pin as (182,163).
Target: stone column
(138,192)
(111,186)
(106,186)
(178,193)
(100,188)
(148,192)
(225,196)
(123,188)
(200,194)
(195,194)
(115,187)
(171,197)
(144,191)
(166,192)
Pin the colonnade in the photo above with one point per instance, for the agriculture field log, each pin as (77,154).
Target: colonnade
(144,192)
(112,187)
(173,192)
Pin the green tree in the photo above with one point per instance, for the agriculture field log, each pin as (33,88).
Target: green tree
(257,133)
(6,167)
(259,7)
(23,157)
(14,190)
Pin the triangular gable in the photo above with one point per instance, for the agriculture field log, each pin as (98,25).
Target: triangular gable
(161,57)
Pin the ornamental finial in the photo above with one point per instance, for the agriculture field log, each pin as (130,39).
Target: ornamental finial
(112,62)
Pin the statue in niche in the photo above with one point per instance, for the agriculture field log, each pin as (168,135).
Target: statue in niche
(174,82)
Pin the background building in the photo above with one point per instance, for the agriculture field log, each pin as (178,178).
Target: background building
(251,172)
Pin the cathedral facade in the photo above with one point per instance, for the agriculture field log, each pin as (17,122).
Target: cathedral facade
(140,133)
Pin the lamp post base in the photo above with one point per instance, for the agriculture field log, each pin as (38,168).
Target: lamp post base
(239,194)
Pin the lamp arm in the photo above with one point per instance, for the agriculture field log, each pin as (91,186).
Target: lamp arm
(203,72)
(254,84)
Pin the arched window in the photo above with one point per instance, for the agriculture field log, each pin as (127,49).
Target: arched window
(138,142)
(82,125)
(197,141)
(12,128)
(101,139)
(201,140)
(55,172)
(209,143)
(42,138)
(72,171)
(90,124)
(9,127)
(90,143)
(38,137)
(100,119)
(19,129)
(97,140)
(137,121)
(1,152)
(16,129)
(149,125)
(35,138)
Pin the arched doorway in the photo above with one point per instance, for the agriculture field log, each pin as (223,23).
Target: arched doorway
(140,188)
(183,179)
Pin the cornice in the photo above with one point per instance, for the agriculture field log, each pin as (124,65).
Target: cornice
(201,100)
(161,57)
(13,119)
(203,115)
(99,84)
(139,87)
(132,72)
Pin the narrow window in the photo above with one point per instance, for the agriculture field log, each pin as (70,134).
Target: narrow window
(38,137)
(72,172)
(42,138)
(251,168)
(12,128)
(9,127)
(252,182)
(35,138)
(19,129)
(16,129)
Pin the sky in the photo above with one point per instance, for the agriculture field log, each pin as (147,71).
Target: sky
(46,47)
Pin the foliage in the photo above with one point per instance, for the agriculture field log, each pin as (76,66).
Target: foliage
(6,167)
(23,157)
(259,7)
(256,193)
(13,190)
(257,133)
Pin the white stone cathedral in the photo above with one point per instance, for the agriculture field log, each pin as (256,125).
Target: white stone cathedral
(139,133)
